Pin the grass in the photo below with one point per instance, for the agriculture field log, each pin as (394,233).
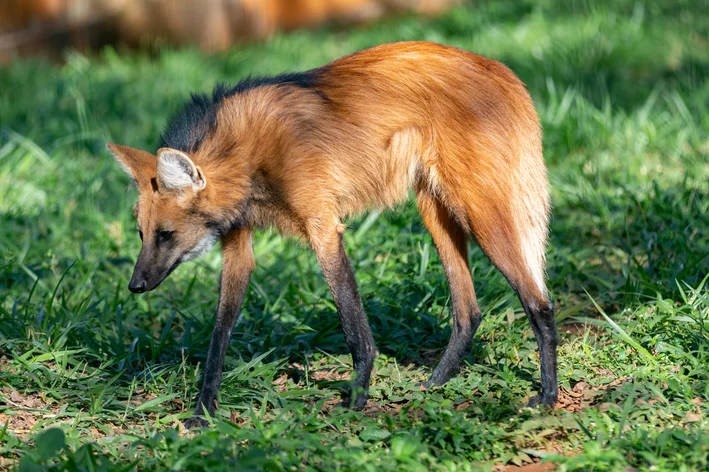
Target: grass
(94,378)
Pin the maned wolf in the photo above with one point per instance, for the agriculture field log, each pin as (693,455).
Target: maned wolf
(303,151)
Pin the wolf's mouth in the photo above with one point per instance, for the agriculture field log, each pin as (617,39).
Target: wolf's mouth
(160,280)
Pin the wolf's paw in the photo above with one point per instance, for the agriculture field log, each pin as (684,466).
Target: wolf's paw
(547,400)
(195,422)
(359,403)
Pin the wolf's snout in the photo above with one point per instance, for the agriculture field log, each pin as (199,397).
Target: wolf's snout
(137,285)
(146,277)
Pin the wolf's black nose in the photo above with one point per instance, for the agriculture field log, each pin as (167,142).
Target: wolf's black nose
(137,286)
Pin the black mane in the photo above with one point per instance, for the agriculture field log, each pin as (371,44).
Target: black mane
(187,128)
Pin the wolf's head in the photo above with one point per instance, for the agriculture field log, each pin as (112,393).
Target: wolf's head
(171,215)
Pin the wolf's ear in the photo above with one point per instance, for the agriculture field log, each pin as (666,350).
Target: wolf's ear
(176,171)
(138,164)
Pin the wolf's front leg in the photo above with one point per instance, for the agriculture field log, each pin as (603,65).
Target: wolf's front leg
(330,251)
(238,262)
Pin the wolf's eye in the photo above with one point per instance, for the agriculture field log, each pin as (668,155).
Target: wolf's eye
(165,236)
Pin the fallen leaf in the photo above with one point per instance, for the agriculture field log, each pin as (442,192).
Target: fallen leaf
(692,418)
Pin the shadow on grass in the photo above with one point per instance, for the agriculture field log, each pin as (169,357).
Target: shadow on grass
(640,248)
(636,250)
(625,248)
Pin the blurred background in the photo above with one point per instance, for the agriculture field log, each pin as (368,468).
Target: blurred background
(46,27)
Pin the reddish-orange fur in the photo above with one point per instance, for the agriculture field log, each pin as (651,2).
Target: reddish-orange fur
(459,129)
(459,126)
